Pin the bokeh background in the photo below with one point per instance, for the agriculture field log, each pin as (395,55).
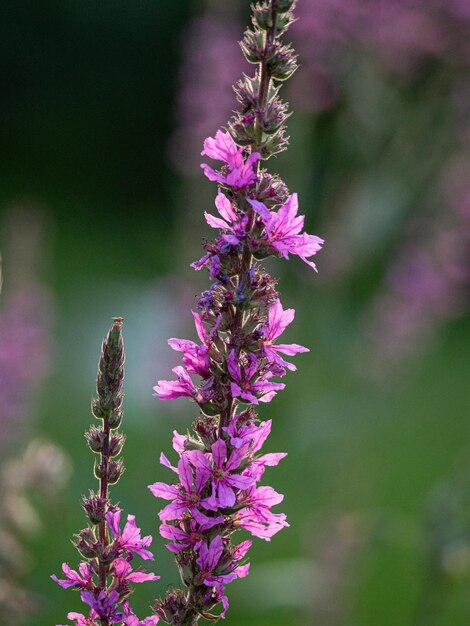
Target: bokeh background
(104,106)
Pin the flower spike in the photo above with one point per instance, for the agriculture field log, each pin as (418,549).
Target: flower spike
(236,365)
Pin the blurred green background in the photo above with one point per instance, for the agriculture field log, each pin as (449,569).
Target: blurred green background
(97,105)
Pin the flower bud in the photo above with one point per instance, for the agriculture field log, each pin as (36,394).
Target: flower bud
(262,16)
(185,566)
(282,63)
(115,419)
(247,92)
(171,607)
(271,190)
(116,444)
(86,543)
(115,471)
(274,145)
(111,369)
(273,116)
(283,22)
(206,427)
(242,128)
(252,46)
(100,470)
(97,409)
(108,554)
(95,438)
(95,507)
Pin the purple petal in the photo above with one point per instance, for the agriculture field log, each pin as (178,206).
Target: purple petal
(240,482)
(172,511)
(172,532)
(226,495)
(164,461)
(214,553)
(162,490)
(113,519)
(219,452)
(215,222)
(224,207)
(272,458)
(185,473)
(233,367)
(241,549)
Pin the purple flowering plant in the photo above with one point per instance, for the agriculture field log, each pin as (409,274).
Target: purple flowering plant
(238,362)
(107,545)
(236,365)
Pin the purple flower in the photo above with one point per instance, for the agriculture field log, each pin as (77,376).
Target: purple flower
(233,222)
(283,230)
(223,148)
(256,516)
(263,529)
(195,357)
(244,384)
(172,389)
(223,480)
(278,320)
(123,572)
(211,572)
(243,433)
(191,537)
(217,594)
(130,539)
(183,387)
(80,580)
(185,496)
(105,604)
(212,259)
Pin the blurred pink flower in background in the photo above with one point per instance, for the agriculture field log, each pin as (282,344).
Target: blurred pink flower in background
(25,320)
(27,466)
(211,64)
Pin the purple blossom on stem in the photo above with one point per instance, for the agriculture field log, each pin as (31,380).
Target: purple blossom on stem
(240,318)
(73,578)
(232,221)
(129,540)
(184,387)
(104,604)
(184,496)
(245,382)
(224,478)
(278,320)
(123,572)
(283,230)
(241,172)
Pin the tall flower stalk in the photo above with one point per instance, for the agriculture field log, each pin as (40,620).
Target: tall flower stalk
(238,320)
(105,575)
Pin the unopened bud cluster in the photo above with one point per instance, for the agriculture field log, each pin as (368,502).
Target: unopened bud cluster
(261,120)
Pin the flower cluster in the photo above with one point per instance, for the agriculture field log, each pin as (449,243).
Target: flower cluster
(105,575)
(237,362)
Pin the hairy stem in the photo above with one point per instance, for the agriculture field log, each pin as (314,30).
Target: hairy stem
(265,77)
